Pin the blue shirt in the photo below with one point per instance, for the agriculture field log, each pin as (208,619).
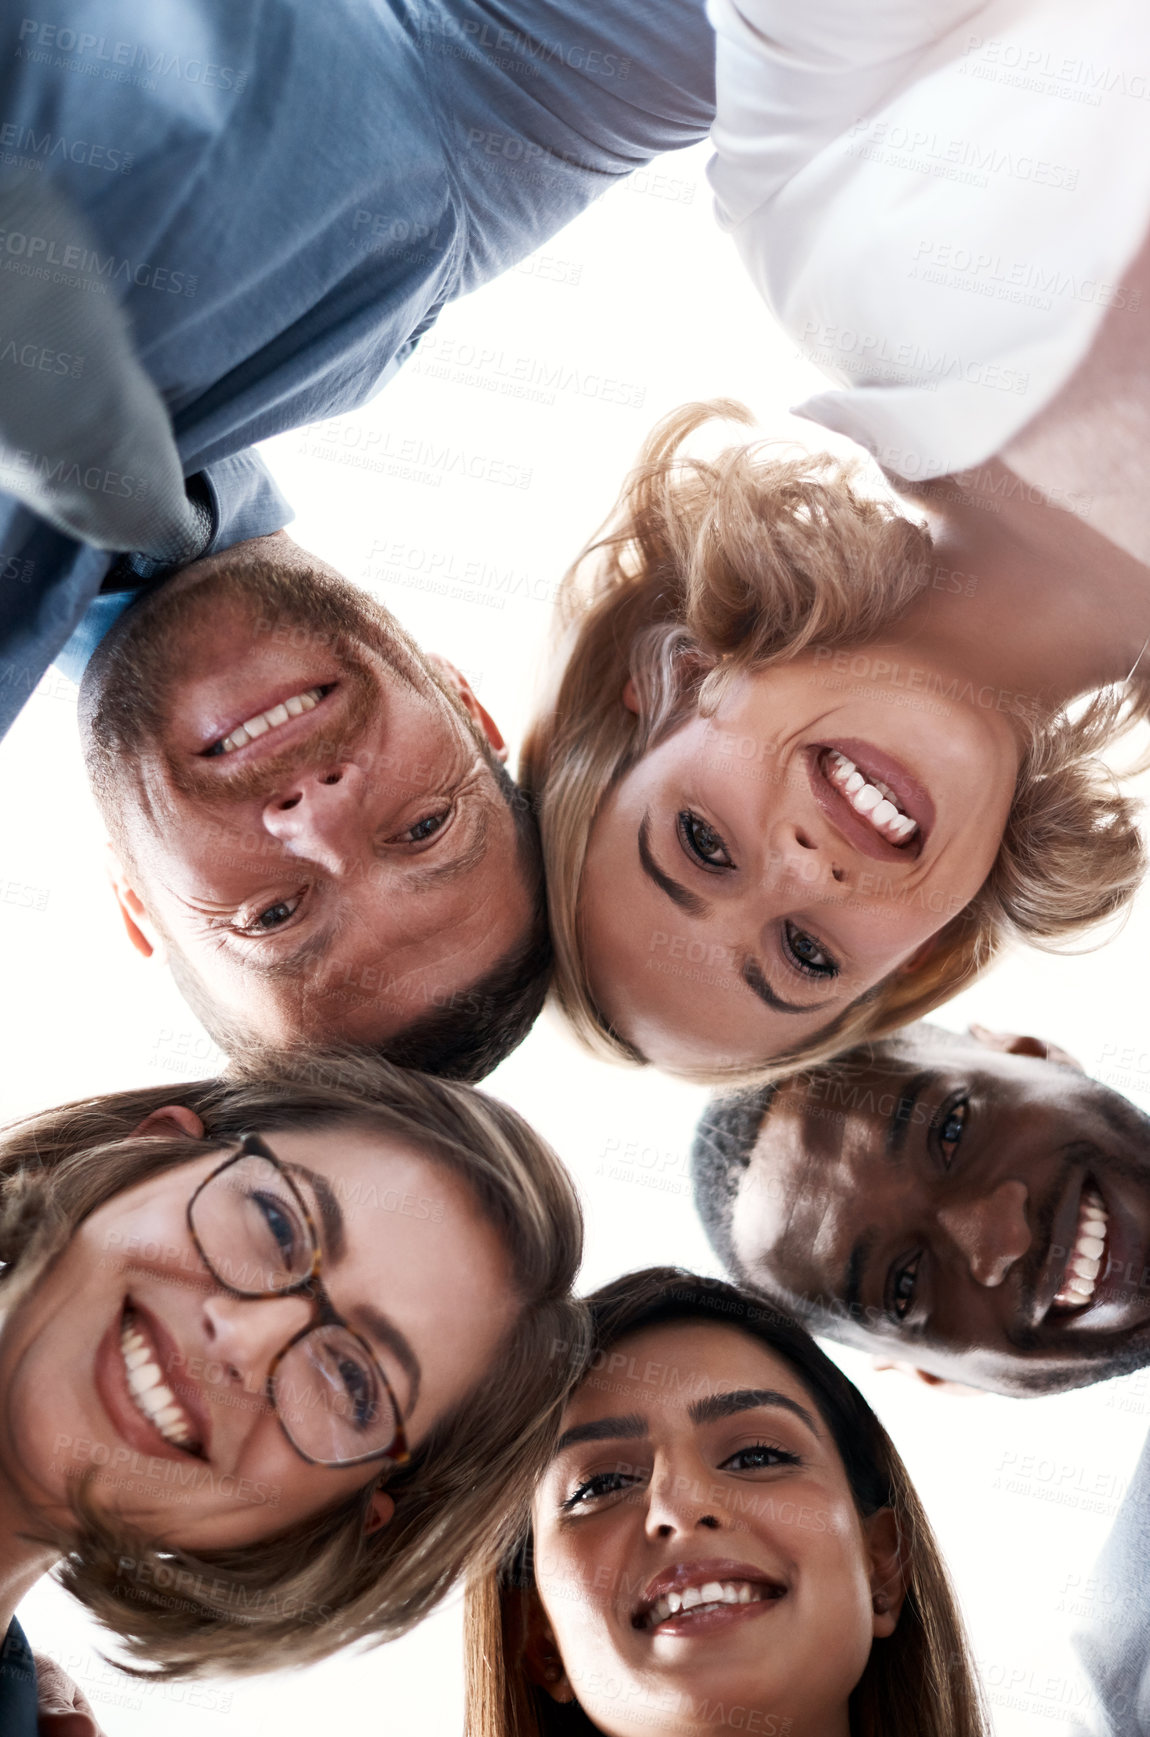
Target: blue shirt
(18,1716)
(286,194)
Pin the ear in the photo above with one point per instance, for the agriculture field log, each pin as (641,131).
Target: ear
(171,1121)
(380,1510)
(919,957)
(631,697)
(957,1389)
(459,685)
(1014,1043)
(541,1656)
(141,931)
(887,1578)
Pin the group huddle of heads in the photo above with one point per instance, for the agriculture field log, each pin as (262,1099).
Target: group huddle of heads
(727,696)
(285,1356)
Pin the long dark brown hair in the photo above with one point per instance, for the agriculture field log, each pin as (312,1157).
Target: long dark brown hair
(920,1682)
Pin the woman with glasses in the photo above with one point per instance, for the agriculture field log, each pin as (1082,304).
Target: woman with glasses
(276,1356)
(725,1539)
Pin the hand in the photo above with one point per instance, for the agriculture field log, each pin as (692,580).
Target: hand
(63,1708)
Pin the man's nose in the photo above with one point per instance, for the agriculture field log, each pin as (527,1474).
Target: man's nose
(245,1334)
(318,814)
(991,1230)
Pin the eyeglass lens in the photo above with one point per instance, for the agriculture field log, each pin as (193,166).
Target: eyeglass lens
(255,1236)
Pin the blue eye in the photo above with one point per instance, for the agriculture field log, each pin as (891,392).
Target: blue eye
(281,1225)
(427,827)
(273,916)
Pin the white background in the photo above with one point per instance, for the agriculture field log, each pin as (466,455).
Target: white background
(638,306)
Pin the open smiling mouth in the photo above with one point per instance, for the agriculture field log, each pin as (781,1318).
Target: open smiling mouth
(1086,1259)
(150,1393)
(259,725)
(703,1599)
(871,799)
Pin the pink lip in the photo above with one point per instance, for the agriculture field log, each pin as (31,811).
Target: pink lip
(218,729)
(112,1386)
(910,795)
(680,1575)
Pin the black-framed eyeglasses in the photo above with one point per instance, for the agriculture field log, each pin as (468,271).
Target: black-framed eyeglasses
(257,1237)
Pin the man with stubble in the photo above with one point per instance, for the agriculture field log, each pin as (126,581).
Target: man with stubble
(310,817)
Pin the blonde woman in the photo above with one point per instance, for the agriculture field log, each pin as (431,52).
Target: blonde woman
(725,1539)
(803,766)
(275,1356)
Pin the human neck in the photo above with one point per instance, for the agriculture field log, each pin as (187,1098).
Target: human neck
(23,1560)
(1025,596)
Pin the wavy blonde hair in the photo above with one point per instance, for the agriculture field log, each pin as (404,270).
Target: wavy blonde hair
(323,1583)
(707,570)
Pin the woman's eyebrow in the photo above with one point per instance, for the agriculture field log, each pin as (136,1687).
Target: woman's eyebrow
(719,1405)
(629,1428)
(330,1212)
(680,896)
(752,976)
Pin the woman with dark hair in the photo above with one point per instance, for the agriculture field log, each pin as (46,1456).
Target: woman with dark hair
(276,1357)
(725,1539)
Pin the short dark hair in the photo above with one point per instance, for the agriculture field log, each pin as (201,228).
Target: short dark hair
(483,1024)
(720,1153)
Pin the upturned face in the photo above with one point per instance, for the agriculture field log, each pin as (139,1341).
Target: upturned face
(697,1547)
(299,808)
(759,870)
(984,1216)
(129,1365)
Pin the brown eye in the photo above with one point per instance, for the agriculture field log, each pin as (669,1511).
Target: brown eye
(702,842)
(904,1287)
(951,1127)
(806,954)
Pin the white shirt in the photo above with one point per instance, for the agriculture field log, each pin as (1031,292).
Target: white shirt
(937,199)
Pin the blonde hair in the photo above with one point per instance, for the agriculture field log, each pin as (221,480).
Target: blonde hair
(708,570)
(919,1682)
(318,1585)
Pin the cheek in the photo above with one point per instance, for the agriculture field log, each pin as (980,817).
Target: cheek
(575,1587)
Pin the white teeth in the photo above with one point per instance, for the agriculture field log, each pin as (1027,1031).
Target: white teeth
(269,720)
(154,1399)
(713,1593)
(872,800)
(1084,1262)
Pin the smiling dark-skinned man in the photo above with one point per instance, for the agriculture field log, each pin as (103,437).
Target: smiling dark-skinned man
(973,1206)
